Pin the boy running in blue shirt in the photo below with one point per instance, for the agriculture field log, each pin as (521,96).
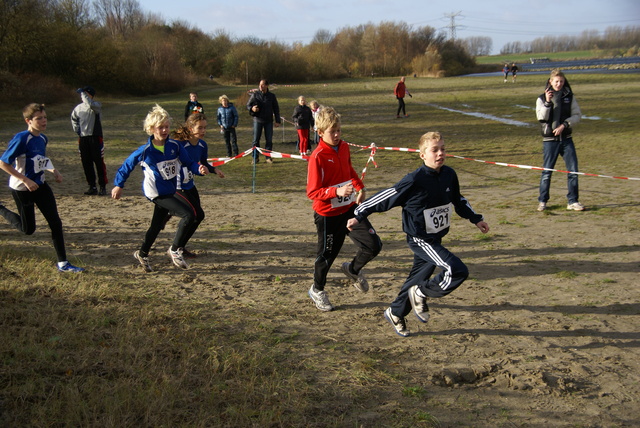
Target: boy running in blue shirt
(25,160)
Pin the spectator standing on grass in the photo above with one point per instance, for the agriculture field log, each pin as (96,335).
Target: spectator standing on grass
(86,121)
(315,110)
(161,159)
(428,196)
(399,91)
(228,121)
(558,112)
(25,160)
(514,72)
(193,106)
(336,189)
(303,119)
(191,135)
(263,106)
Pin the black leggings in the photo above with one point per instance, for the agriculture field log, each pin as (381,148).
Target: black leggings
(25,219)
(192,198)
(332,232)
(165,205)
(401,106)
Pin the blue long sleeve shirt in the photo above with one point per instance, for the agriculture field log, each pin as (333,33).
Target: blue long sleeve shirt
(160,169)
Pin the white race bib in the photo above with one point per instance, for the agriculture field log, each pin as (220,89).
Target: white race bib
(187,174)
(41,163)
(168,169)
(438,218)
(341,201)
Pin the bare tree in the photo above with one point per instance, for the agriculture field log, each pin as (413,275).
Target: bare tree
(120,17)
(478,45)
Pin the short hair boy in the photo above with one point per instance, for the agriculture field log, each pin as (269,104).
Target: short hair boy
(25,160)
(336,189)
(428,197)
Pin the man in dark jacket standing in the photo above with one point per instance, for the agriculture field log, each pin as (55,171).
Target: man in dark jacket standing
(263,106)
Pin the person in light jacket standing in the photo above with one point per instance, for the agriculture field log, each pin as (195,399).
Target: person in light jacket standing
(86,122)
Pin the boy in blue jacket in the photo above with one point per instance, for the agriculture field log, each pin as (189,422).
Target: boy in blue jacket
(161,159)
(428,196)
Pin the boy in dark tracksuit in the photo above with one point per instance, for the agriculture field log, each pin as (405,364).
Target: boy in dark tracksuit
(336,189)
(428,197)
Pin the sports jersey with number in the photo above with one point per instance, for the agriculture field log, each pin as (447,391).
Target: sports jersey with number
(199,152)
(27,153)
(330,168)
(428,199)
(160,169)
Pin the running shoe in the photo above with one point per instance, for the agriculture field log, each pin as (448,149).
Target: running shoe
(321,299)
(420,307)
(144,261)
(68,267)
(398,323)
(359,281)
(576,206)
(177,258)
(542,206)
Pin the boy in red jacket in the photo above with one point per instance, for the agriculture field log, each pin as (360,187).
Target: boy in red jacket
(336,189)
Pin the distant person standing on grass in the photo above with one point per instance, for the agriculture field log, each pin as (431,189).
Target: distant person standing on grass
(315,111)
(428,197)
(25,160)
(86,120)
(303,119)
(228,121)
(558,112)
(399,91)
(263,107)
(335,189)
(193,106)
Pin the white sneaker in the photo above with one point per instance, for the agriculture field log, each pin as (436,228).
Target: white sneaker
(398,323)
(144,261)
(359,281)
(419,303)
(177,258)
(321,300)
(576,206)
(542,206)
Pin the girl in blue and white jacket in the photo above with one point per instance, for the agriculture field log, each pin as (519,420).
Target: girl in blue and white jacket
(161,159)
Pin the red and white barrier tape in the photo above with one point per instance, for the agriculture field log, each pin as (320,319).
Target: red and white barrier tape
(374,148)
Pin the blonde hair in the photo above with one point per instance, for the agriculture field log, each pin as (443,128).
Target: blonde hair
(427,138)
(223,97)
(156,117)
(301,97)
(313,104)
(556,72)
(327,119)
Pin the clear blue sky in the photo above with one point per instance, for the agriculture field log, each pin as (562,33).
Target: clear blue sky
(290,21)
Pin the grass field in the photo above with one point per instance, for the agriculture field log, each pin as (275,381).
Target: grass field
(114,347)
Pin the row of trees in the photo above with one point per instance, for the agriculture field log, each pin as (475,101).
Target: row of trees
(613,38)
(117,47)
